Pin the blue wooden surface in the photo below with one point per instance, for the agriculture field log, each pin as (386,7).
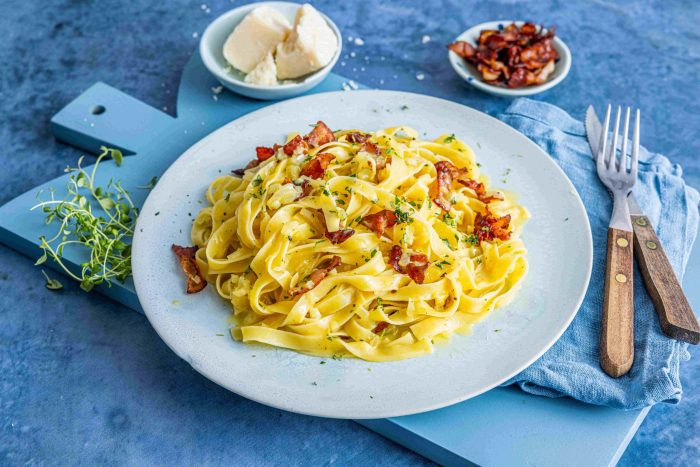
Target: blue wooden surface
(85,380)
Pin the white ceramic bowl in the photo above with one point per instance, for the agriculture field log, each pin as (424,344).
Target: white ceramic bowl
(211,50)
(471,75)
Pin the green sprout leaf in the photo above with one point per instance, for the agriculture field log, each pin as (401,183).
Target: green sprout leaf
(51,284)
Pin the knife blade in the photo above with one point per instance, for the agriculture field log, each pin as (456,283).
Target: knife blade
(593,128)
(675,315)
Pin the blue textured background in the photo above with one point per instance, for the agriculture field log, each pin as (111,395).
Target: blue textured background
(82,378)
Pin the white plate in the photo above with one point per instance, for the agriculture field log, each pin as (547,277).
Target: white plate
(471,75)
(558,239)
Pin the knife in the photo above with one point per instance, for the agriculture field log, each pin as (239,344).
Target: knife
(675,315)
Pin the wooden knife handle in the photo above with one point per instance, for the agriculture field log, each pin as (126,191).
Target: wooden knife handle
(617,325)
(676,316)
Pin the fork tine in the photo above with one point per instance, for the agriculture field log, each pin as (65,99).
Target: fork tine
(622,166)
(612,159)
(600,157)
(635,146)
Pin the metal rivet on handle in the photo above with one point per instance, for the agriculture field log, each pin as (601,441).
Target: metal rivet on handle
(651,245)
(622,242)
(642,221)
(621,278)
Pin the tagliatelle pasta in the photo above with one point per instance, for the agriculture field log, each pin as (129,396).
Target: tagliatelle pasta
(360,244)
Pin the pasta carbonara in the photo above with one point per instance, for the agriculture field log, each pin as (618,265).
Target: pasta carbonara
(371,245)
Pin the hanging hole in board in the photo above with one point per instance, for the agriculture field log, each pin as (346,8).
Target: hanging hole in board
(98,110)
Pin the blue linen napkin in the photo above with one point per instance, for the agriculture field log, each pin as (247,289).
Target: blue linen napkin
(570,367)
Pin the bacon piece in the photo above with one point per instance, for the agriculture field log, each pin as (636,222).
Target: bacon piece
(320,135)
(488,227)
(370,148)
(446,173)
(315,277)
(356,137)
(528,29)
(294,144)
(339,236)
(188,263)
(380,221)
(382,325)
(264,153)
(251,164)
(537,55)
(478,188)
(464,50)
(488,73)
(485,34)
(416,266)
(317,166)
(305,190)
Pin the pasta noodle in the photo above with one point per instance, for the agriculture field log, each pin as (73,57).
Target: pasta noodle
(371,245)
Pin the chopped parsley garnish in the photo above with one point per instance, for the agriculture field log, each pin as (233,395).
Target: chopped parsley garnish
(471,239)
(257,181)
(442,263)
(450,138)
(449,220)
(402,217)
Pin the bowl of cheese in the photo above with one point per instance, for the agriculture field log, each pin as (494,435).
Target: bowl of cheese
(271,50)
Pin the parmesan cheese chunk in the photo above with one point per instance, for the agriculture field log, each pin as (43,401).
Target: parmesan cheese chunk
(259,32)
(264,73)
(309,47)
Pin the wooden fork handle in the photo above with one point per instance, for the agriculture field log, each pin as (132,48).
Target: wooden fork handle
(675,315)
(617,325)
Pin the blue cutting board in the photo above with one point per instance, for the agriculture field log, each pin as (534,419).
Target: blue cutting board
(504,426)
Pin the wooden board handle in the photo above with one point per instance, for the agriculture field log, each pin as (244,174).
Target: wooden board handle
(675,315)
(617,325)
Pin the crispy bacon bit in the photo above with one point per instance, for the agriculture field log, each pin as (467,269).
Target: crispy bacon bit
(356,137)
(315,277)
(370,148)
(382,325)
(317,166)
(188,263)
(305,190)
(380,221)
(489,227)
(294,144)
(251,164)
(463,49)
(514,57)
(446,173)
(339,236)
(264,153)
(320,135)
(416,266)
(444,170)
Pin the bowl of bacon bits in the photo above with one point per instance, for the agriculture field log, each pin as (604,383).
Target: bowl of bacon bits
(510,58)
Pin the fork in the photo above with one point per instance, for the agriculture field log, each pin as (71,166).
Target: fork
(617,325)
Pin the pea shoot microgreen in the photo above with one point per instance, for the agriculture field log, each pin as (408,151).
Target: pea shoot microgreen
(99,219)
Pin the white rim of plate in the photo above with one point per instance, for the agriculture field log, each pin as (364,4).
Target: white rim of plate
(210,371)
